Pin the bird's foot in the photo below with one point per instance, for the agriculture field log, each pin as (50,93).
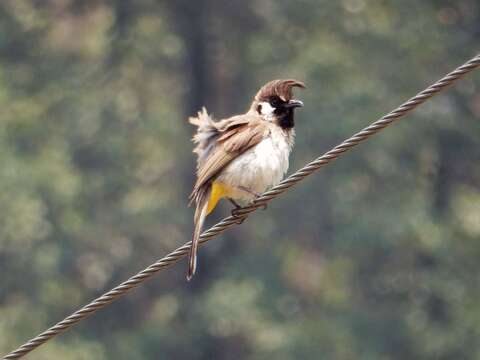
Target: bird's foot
(251,192)
(263,207)
(235,214)
(235,211)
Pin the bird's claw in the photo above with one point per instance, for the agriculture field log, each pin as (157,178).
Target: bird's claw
(263,207)
(235,214)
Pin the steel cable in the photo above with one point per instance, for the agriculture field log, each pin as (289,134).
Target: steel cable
(243,213)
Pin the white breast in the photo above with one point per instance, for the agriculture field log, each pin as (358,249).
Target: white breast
(260,167)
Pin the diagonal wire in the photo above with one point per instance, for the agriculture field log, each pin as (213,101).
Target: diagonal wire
(243,213)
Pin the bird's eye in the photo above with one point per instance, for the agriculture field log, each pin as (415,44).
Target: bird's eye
(275,101)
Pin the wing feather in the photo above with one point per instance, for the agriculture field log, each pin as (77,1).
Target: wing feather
(238,134)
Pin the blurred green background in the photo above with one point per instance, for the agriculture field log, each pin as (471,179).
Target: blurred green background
(375,257)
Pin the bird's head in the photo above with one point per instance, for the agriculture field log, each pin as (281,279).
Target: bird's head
(274,102)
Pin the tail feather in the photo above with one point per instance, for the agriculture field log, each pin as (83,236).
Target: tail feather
(199,220)
(205,138)
(207,132)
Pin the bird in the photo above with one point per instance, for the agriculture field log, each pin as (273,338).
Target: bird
(240,157)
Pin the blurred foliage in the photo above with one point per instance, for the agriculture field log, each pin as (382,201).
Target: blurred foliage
(376,257)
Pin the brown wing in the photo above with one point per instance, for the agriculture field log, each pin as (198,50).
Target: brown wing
(225,126)
(239,134)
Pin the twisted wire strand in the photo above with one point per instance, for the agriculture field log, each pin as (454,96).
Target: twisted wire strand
(243,213)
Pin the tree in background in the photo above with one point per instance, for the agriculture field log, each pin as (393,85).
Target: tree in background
(381,260)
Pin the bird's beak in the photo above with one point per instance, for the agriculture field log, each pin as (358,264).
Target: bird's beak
(293,104)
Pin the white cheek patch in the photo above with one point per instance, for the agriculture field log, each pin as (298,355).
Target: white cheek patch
(266,109)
